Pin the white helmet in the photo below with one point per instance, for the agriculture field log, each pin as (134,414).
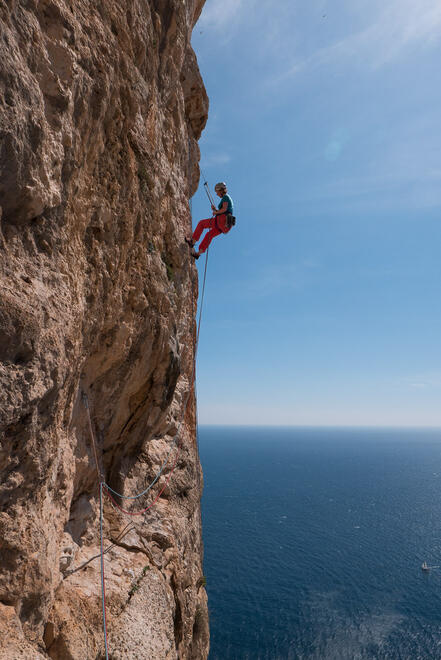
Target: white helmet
(220,186)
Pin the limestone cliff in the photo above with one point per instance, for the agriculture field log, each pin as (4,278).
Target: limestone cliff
(101,105)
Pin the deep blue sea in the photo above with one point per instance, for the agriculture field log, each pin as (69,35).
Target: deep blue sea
(314,540)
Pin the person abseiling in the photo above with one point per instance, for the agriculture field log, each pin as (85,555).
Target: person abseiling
(221,222)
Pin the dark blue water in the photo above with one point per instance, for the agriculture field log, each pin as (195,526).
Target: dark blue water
(314,541)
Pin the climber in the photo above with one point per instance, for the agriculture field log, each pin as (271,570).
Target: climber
(221,222)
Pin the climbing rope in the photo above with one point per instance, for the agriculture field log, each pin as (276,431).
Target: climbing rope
(95,453)
(103,579)
(104,488)
(206,188)
(108,490)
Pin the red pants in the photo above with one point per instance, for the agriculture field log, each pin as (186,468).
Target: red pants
(208,223)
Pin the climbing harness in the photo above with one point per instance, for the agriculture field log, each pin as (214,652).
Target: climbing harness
(105,489)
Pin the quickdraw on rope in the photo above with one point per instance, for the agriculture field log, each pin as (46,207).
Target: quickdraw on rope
(105,489)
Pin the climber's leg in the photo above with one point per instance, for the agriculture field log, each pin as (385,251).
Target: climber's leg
(202,224)
(208,238)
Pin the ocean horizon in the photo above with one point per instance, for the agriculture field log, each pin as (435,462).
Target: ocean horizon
(314,539)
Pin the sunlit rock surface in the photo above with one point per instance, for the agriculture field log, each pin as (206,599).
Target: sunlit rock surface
(101,106)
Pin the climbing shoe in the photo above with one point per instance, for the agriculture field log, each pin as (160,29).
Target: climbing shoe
(189,242)
(195,254)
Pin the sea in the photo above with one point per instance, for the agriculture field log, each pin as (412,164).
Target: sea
(314,541)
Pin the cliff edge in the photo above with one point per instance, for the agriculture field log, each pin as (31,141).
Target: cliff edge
(101,106)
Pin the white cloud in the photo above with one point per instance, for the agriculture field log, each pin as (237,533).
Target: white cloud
(383,190)
(280,277)
(216,159)
(397,26)
(221,16)
(399,168)
(426,381)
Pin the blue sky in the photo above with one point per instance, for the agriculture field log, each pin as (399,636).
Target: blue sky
(323,303)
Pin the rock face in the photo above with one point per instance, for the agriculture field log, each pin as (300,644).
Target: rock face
(101,106)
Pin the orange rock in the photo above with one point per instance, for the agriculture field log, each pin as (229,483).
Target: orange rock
(103,107)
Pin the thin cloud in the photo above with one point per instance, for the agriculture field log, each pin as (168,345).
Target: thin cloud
(397,27)
(400,189)
(221,16)
(403,172)
(214,160)
(275,278)
(424,381)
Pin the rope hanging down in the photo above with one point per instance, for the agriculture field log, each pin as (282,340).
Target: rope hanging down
(103,579)
(106,489)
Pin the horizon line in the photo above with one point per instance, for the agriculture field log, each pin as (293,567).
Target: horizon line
(326,426)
